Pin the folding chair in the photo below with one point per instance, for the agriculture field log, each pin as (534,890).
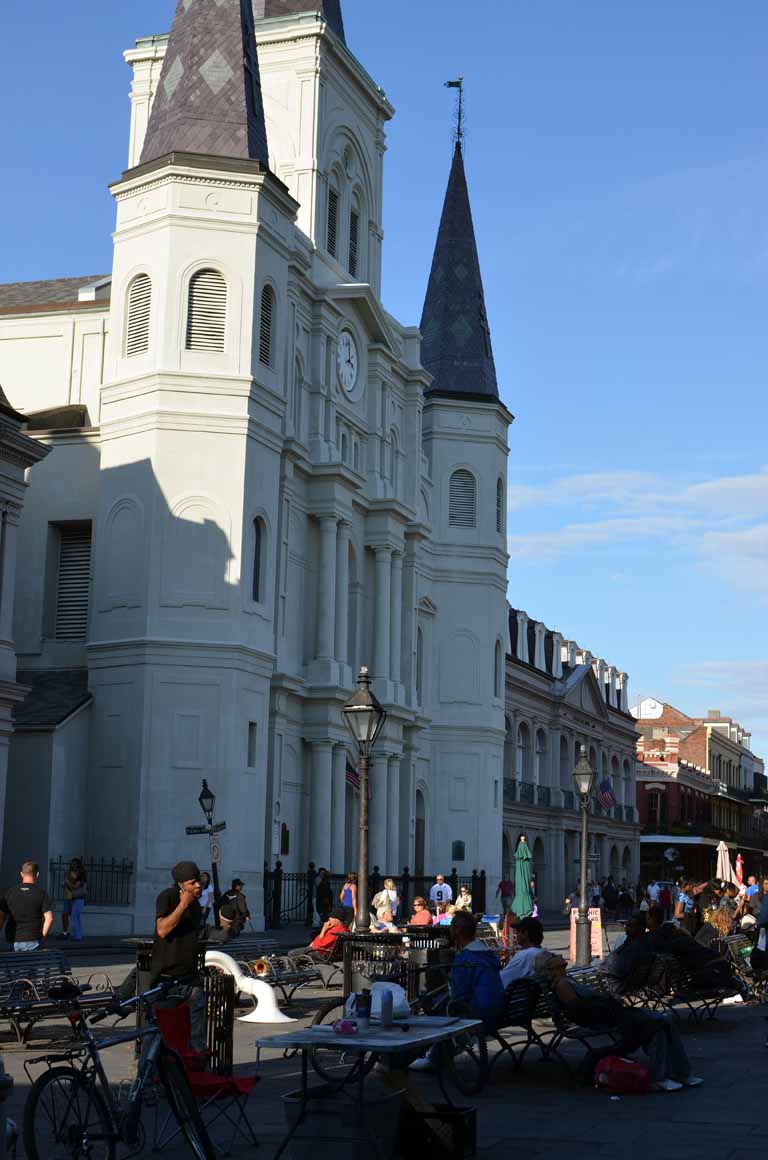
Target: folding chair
(219,1096)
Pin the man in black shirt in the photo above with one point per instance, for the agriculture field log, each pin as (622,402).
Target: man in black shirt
(30,907)
(237,899)
(176,949)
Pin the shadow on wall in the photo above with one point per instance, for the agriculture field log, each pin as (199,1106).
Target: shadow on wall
(162,580)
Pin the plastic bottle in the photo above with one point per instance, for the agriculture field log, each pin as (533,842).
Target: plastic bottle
(387,1008)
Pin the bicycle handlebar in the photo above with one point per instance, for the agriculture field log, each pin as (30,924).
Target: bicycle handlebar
(123,1007)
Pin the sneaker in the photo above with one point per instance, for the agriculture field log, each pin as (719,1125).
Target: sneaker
(422,1064)
(667,1085)
(693,1081)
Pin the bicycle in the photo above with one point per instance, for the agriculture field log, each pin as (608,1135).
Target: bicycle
(71,1111)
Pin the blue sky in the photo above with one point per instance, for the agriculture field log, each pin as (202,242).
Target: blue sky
(617,163)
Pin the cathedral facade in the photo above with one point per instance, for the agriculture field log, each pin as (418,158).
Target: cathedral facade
(257,481)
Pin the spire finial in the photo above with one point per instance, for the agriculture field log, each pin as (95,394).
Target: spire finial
(458,84)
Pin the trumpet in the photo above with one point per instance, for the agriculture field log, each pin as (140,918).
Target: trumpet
(261,967)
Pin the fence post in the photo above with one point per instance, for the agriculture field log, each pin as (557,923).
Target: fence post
(405,887)
(453,882)
(277,894)
(481,889)
(474,890)
(374,885)
(267,876)
(310,918)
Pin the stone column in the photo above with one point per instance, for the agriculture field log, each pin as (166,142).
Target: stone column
(558,887)
(320,804)
(381,612)
(342,592)
(338,809)
(554,765)
(326,589)
(396,618)
(377,814)
(393,816)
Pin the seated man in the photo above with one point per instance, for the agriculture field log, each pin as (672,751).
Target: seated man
(631,960)
(654,1032)
(530,936)
(707,969)
(475,978)
(323,944)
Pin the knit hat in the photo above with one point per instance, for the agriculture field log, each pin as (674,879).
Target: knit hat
(185,871)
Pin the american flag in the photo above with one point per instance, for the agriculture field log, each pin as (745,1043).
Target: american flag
(605,794)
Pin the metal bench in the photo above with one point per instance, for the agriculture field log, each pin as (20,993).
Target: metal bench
(26,977)
(283,973)
(737,948)
(678,987)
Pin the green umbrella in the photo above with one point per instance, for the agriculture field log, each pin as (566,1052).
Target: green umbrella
(523,905)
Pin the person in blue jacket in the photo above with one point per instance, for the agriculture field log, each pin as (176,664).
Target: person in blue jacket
(475,971)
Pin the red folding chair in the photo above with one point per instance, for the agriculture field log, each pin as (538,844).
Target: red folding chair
(221,1097)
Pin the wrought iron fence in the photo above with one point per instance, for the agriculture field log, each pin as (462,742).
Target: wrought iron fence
(109,880)
(290,897)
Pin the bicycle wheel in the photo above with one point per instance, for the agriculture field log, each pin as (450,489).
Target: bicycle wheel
(184,1106)
(464,1062)
(65,1117)
(332,1063)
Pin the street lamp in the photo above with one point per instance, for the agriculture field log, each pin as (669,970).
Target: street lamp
(207,801)
(584,779)
(364,717)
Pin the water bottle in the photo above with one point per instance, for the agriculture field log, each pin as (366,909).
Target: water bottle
(387,1008)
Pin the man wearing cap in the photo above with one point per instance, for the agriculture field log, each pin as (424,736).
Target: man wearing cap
(176,949)
(236,899)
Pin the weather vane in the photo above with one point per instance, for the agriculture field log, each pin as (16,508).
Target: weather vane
(458,84)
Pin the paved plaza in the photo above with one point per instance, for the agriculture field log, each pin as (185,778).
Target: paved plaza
(537,1111)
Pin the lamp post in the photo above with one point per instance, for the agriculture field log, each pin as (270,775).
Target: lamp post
(364,717)
(584,780)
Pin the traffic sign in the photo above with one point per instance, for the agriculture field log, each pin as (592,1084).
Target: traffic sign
(218,827)
(197,829)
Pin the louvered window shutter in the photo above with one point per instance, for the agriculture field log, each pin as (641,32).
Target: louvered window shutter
(333,221)
(462,500)
(73,583)
(137,329)
(206,311)
(265,330)
(354,236)
(499,505)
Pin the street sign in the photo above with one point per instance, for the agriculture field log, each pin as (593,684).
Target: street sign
(218,827)
(197,829)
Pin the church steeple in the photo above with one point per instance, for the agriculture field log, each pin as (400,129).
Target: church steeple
(330,10)
(208,100)
(456,341)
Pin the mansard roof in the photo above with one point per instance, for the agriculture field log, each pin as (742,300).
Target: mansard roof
(456,340)
(54,695)
(209,99)
(330,10)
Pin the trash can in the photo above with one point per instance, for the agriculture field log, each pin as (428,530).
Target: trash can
(372,958)
(429,956)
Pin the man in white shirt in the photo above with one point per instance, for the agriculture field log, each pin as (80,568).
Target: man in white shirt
(530,936)
(654,890)
(440,891)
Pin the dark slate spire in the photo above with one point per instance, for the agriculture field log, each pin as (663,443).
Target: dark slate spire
(456,341)
(330,10)
(209,96)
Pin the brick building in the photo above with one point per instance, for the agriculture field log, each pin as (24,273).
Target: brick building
(698,782)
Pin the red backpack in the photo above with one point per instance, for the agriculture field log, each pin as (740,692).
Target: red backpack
(622,1076)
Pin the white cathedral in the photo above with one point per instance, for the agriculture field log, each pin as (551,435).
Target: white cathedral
(257,481)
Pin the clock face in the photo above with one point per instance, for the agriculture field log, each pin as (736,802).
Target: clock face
(347,360)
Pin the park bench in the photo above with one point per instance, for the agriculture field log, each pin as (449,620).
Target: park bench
(26,977)
(284,973)
(676,987)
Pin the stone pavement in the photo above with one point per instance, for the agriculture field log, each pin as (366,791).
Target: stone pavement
(537,1111)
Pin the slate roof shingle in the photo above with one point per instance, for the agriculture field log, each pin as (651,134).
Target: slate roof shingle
(208,99)
(47,292)
(330,10)
(54,694)
(456,340)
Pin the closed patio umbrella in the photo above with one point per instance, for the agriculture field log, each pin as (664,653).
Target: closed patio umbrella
(523,904)
(724,871)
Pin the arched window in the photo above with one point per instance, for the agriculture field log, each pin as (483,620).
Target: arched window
(462,499)
(257,579)
(206,311)
(540,767)
(419,666)
(523,752)
(332,223)
(354,239)
(267,326)
(499,505)
(497,670)
(137,323)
